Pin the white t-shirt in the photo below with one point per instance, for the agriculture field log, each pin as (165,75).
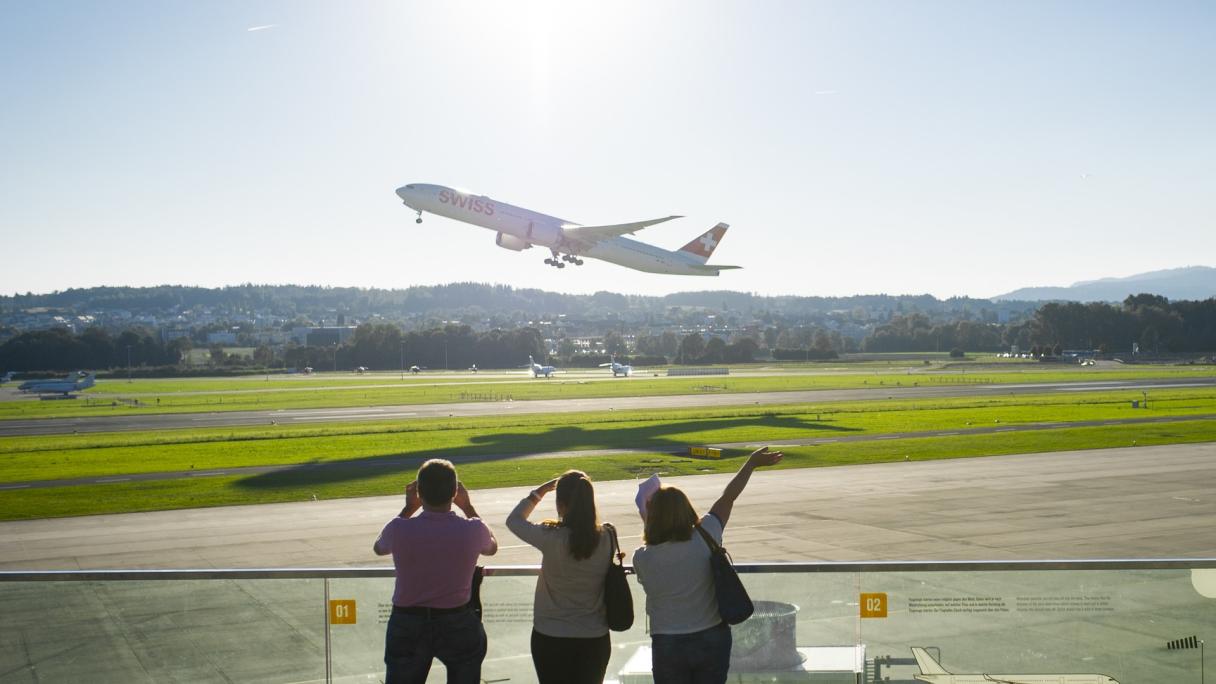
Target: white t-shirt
(678,582)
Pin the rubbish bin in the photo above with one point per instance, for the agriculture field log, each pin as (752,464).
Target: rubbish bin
(766,641)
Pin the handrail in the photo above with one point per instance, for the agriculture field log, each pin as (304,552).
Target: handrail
(532,570)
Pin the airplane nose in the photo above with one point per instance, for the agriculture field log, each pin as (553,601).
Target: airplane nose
(404,192)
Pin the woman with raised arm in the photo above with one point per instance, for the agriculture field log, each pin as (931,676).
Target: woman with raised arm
(570,641)
(689,641)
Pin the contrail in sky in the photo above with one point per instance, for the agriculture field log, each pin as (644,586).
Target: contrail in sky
(261,28)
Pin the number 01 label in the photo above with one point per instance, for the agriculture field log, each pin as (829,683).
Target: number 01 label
(874,605)
(342,612)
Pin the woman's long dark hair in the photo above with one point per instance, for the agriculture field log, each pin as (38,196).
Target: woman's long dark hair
(576,497)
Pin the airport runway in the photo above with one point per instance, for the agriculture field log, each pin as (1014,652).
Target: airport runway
(1143,502)
(13,428)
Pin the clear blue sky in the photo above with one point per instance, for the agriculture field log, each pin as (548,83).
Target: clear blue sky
(855,147)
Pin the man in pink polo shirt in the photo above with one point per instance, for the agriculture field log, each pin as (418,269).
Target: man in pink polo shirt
(435,554)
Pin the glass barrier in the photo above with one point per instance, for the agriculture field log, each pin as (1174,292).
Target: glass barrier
(179,630)
(1095,622)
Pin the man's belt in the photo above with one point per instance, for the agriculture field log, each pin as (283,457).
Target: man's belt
(429,612)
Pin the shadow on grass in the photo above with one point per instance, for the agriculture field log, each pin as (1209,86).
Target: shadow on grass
(506,446)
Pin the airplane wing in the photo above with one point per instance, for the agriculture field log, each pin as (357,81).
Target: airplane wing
(589,235)
(711,267)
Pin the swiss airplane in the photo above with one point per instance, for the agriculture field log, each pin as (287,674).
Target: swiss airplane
(519,229)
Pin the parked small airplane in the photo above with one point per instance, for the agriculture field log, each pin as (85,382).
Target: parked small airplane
(932,671)
(65,386)
(519,229)
(618,368)
(539,370)
(6,377)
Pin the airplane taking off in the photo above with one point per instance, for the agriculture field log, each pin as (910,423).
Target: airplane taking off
(519,229)
(931,671)
(539,370)
(618,368)
(65,386)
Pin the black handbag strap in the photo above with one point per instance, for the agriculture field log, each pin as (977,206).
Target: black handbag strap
(617,553)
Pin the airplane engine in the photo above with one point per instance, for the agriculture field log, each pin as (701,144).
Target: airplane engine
(512,243)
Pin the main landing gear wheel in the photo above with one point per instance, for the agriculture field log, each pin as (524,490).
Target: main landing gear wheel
(419,219)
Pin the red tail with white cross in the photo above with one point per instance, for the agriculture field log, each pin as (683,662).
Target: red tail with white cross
(703,245)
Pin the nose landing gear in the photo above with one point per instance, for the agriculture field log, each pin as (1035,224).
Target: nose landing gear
(419,219)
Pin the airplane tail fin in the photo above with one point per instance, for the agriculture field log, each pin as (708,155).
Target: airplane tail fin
(701,248)
(86,382)
(926,663)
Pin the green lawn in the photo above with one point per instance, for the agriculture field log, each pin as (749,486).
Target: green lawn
(366,458)
(353,481)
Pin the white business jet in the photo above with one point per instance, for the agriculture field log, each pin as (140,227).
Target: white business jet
(539,370)
(519,229)
(81,381)
(932,671)
(618,368)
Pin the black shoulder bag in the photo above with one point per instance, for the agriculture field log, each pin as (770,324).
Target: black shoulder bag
(475,590)
(734,605)
(618,600)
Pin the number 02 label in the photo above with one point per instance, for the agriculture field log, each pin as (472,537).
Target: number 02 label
(874,605)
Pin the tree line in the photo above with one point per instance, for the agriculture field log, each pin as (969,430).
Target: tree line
(1151,322)
(1154,323)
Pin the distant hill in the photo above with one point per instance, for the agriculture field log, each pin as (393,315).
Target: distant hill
(1191,282)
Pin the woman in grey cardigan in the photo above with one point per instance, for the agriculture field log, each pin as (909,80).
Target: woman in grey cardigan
(570,642)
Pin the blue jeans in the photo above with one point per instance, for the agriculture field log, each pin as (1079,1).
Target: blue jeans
(698,658)
(412,641)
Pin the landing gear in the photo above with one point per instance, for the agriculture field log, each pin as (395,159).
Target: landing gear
(560,260)
(419,219)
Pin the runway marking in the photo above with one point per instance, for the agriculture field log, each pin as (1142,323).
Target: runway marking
(356,415)
(20,486)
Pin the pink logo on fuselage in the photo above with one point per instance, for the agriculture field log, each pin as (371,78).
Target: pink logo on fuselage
(474,204)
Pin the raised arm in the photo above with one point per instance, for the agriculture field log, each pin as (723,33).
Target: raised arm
(462,501)
(760,457)
(382,547)
(517,520)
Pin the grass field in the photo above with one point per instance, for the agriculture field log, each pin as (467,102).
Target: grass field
(245,394)
(352,481)
(372,458)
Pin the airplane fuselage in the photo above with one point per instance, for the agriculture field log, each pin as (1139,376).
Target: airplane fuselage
(519,228)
